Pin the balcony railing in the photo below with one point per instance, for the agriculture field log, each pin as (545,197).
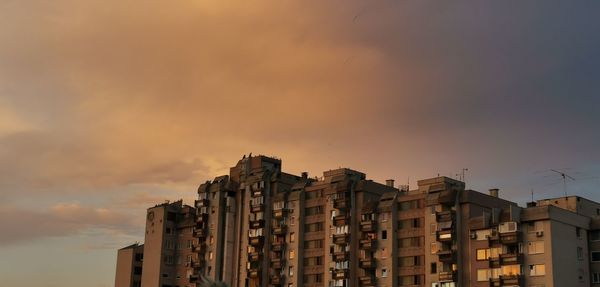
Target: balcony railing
(279,230)
(367,281)
(444,235)
(277,246)
(495,282)
(202,217)
(257,207)
(368,225)
(202,203)
(256,240)
(510,238)
(276,280)
(280,213)
(446,256)
(340,256)
(340,220)
(254,256)
(447,276)
(368,244)
(341,203)
(511,259)
(253,272)
(511,280)
(342,238)
(367,263)
(444,216)
(340,274)
(257,223)
(276,263)
(494,262)
(200,232)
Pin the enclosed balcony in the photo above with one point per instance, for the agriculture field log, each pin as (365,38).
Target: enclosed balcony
(340,256)
(280,213)
(257,223)
(342,238)
(367,263)
(253,272)
(257,207)
(446,256)
(341,203)
(279,230)
(257,193)
(199,248)
(511,259)
(340,220)
(254,256)
(444,216)
(495,282)
(194,278)
(276,263)
(277,246)
(494,262)
(256,240)
(368,225)
(509,238)
(340,274)
(202,203)
(368,244)
(276,280)
(200,233)
(447,197)
(202,217)
(444,235)
(367,281)
(448,276)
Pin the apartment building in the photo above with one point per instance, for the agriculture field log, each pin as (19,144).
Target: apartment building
(259,226)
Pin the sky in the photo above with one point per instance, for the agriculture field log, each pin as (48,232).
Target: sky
(109,107)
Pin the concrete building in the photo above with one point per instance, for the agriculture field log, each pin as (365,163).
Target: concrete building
(129,266)
(259,226)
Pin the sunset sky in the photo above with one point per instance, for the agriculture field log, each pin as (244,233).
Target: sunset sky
(108,107)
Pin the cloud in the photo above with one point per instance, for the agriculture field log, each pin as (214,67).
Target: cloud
(64,220)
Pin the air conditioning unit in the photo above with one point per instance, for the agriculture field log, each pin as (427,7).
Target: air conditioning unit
(539,233)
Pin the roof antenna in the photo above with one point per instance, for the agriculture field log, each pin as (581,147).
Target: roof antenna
(564,176)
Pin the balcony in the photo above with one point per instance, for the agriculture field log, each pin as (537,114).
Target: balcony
(495,282)
(257,223)
(367,263)
(202,203)
(277,246)
(279,230)
(202,217)
(444,235)
(446,256)
(340,220)
(253,272)
(511,259)
(448,276)
(340,274)
(257,193)
(511,280)
(258,207)
(367,281)
(510,238)
(342,238)
(493,238)
(199,248)
(276,280)
(368,244)
(280,213)
(444,216)
(254,256)
(494,262)
(200,233)
(447,197)
(368,226)
(341,203)
(340,256)
(257,240)
(194,278)
(276,263)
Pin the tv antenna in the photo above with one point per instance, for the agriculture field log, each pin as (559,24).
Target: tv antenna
(565,177)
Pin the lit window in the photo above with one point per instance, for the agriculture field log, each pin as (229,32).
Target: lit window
(537,270)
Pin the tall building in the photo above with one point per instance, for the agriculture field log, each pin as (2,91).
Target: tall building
(259,226)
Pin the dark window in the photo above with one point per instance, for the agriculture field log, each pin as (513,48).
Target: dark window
(384,234)
(595,256)
(433,267)
(595,235)
(139,256)
(137,270)
(171,216)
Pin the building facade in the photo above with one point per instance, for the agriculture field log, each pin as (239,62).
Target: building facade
(259,226)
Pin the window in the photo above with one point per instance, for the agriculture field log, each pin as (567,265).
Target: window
(595,256)
(292,254)
(291,270)
(433,228)
(486,253)
(312,227)
(580,253)
(384,253)
(578,232)
(318,243)
(433,267)
(384,234)
(313,210)
(435,247)
(210,255)
(595,277)
(482,254)
(384,216)
(292,236)
(511,270)
(537,270)
(535,247)
(384,272)
(483,274)
(595,235)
